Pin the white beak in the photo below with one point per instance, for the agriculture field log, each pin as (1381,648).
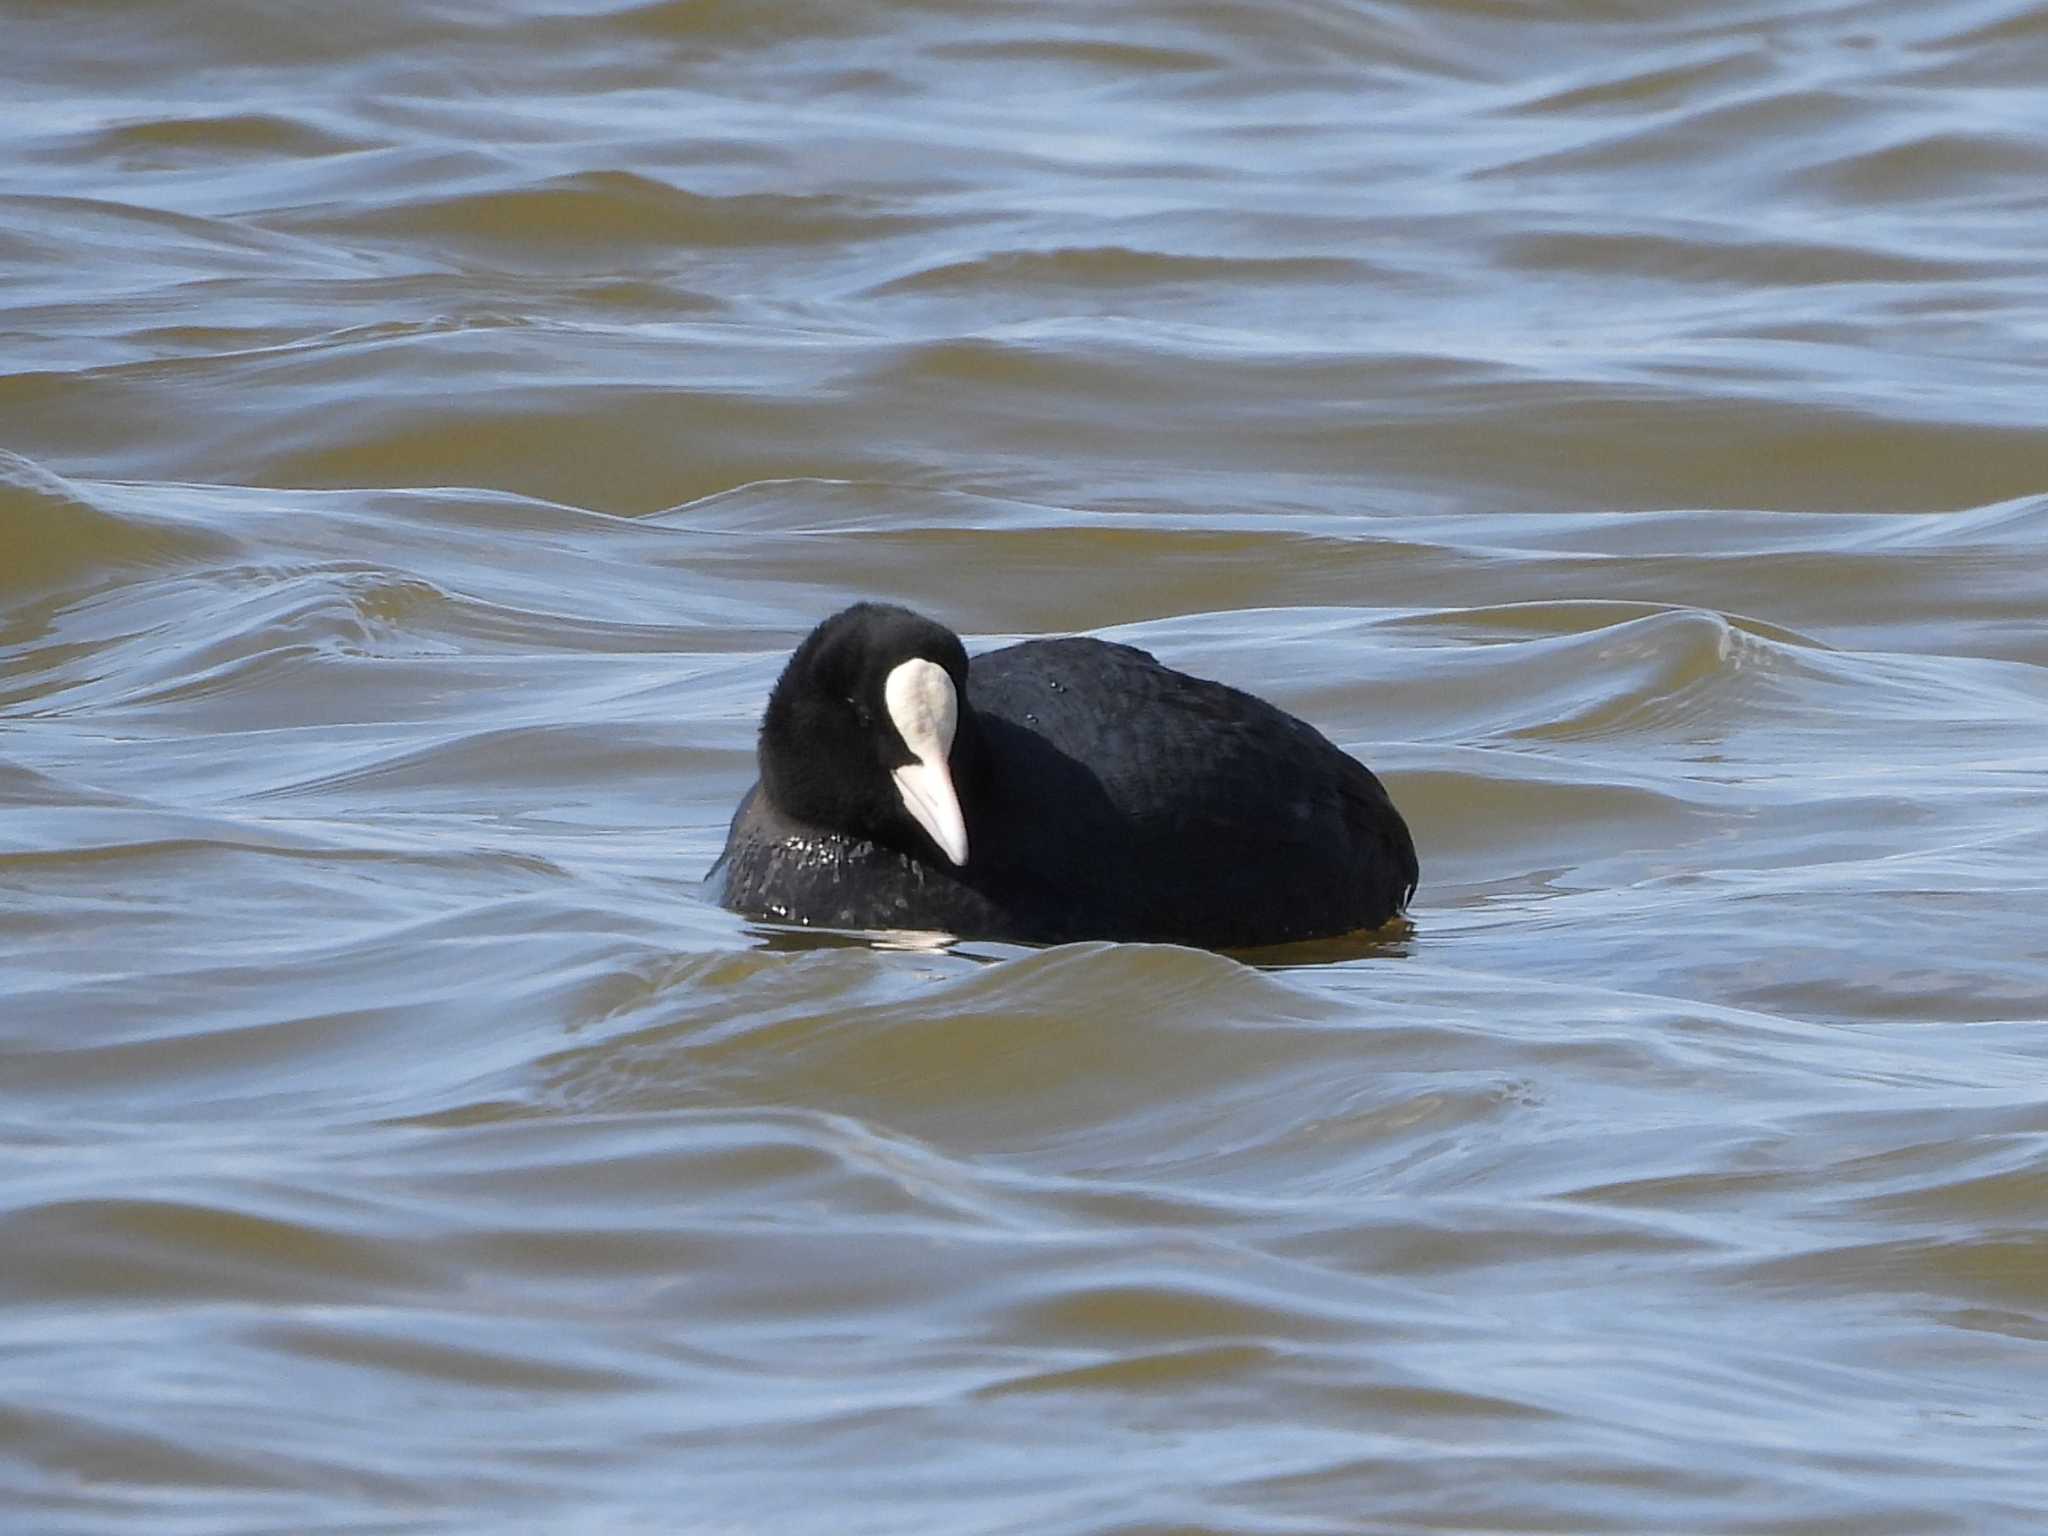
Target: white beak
(927,791)
(924,709)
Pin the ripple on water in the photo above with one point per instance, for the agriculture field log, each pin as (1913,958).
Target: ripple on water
(57,537)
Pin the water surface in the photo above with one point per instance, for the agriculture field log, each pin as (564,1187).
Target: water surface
(426,430)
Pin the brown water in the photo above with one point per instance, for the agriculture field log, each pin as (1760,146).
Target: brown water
(1621,424)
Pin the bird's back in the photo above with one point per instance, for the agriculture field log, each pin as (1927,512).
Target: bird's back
(1174,806)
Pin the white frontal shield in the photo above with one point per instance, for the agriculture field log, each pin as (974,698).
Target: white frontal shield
(925,710)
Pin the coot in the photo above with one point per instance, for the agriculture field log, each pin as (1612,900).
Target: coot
(1054,790)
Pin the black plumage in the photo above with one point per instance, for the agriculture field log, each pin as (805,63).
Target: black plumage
(1104,796)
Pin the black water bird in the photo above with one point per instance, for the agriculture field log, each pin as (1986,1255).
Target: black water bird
(1049,791)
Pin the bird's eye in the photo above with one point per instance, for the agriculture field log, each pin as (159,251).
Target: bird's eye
(860,710)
